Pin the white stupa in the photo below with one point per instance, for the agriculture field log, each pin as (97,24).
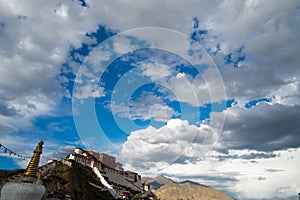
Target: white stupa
(28,187)
(20,191)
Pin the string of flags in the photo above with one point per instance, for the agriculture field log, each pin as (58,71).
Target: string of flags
(10,152)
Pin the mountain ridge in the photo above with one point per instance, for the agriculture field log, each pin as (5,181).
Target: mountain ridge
(167,189)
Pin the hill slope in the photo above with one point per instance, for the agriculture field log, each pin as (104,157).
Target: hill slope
(188,190)
(76,182)
(65,182)
(166,189)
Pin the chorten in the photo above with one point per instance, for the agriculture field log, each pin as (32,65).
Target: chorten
(28,186)
(33,165)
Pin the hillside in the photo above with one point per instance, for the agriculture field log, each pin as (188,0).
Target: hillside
(76,182)
(64,182)
(166,189)
(5,174)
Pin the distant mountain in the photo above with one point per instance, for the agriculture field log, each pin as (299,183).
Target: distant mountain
(194,183)
(157,182)
(167,189)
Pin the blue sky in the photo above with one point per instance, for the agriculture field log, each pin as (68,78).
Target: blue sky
(206,91)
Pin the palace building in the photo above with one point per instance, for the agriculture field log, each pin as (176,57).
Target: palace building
(108,167)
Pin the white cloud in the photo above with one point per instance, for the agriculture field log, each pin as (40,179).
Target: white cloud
(204,88)
(87,91)
(7,128)
(288,94)
(147,106)
(61,152)
(122,45)
(35,41)
(155,71)
(26,109)
(168,143)
(149,14)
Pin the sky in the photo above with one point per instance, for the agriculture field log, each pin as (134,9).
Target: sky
(201,90)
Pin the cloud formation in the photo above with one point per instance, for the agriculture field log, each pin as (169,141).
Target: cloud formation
(146,106)
(35,41)
(258,128)
(254,45)
(265,127)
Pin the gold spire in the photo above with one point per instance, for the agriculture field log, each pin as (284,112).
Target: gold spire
(33,165)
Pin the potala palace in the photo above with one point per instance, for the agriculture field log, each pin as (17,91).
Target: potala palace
(110,172)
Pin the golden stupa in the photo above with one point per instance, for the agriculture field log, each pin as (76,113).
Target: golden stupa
(27,186)
(33,165)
